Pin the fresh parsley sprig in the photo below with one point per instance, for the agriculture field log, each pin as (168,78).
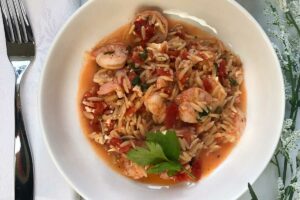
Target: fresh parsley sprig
(161,154)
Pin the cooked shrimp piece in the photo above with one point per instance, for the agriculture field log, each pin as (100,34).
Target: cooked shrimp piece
(133,170)
(150,26)
(194,94)
(218,90)
(102,77)
(110,87)
(112,56)
(187,113)
(190,102)
(156,105)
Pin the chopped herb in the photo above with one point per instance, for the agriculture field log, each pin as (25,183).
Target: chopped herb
(132,65)
(134,68)
(216,67)
(144,86)
(109,52)
(136,81)
(143,55)
(204,113)
(129,48)
(219,110)
(233,82)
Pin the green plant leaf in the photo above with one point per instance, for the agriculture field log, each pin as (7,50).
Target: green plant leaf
(150,155)
(172,167)
(252,193)
(168,141)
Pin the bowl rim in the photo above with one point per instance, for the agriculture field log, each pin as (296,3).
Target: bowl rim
(235,4)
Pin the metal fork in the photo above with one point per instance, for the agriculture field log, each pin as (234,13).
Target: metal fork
(21,52)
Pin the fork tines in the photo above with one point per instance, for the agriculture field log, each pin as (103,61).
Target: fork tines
(16,23)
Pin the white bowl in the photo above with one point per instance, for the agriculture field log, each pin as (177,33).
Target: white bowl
(76,159)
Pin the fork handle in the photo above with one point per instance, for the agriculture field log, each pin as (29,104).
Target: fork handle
(24,188)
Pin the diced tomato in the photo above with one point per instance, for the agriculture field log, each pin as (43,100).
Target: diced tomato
(180,34)
(99,107)
(207,85)
(115,142)
(131,75)
(168,90)
(171,115)
(87,94)
(196,169)
(130,111)
(92,92)
(136,58)
(110,125)
(149,29)
(125,149)
(181,177)
(222,71)
(173,53)
(138,25)
(184,79)
(142,109)
(139,143)
(162,72)
(95,125)
(187,135)
(184,54)
(94,89)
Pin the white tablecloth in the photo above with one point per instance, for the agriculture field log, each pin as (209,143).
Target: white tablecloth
(46,17)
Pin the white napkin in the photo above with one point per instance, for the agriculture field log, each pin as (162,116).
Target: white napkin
(47,16)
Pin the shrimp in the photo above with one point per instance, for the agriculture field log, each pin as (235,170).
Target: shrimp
(112,56)
(187,113)
(102,77)
(109,87)
(188,100)
(218,91)
(133,170)
(156,105)
(193,95)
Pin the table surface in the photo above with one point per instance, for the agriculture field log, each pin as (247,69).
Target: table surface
(46,18)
